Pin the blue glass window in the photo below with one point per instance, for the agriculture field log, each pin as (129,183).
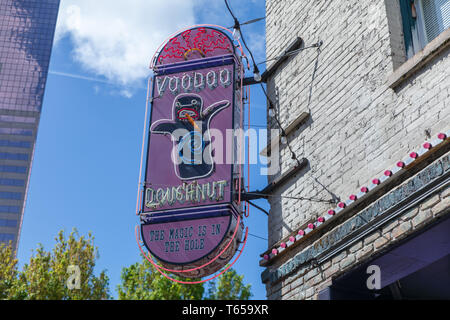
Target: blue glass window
(10,195)
(16,131)
(9,118)
(15,144)
(13,156)
(9,209)
(12,182)
(15,169)
(5,237)
(8,223)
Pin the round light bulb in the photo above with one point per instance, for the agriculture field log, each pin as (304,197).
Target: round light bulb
(236,34)
(257,76)
(283,140)
(271,112)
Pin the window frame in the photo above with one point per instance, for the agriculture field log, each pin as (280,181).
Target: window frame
(414,28)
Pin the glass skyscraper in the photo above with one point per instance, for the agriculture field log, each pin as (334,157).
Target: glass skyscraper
(27,28)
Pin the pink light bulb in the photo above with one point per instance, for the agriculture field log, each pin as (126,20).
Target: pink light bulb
(400,164)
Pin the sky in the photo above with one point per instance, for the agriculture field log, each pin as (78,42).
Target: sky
(86,162)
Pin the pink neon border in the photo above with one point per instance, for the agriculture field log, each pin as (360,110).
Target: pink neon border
(206,264)
(238,221)
(152,65)
(149,259)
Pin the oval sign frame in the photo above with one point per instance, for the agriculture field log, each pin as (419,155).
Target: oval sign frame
(189,213)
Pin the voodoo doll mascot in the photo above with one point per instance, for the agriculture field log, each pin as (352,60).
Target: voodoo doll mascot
(189,129)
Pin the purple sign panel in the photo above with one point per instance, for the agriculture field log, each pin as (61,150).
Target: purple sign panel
(188,207)
(182,127)
(181,242)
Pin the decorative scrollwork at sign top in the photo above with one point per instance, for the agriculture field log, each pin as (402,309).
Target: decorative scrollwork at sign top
(194,44)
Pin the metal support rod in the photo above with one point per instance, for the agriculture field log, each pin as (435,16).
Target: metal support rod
(258,207)
(295,45)
(276,183)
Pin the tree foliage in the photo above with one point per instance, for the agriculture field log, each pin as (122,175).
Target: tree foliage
(141,281)
(229,286)
(8,270)
(46,275)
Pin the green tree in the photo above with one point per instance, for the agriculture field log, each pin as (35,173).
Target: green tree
(8,270)
(229,286)
(141,281)
(47,273)
(46,276)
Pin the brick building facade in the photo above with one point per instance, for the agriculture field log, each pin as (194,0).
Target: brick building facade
(376,95)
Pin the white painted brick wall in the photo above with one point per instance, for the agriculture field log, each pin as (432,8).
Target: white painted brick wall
(360,126)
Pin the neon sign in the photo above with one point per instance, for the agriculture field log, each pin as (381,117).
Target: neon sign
(190,213)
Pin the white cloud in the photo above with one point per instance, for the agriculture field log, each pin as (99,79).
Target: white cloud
(117,39)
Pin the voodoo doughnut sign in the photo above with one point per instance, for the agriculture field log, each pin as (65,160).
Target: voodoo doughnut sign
(190,214)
